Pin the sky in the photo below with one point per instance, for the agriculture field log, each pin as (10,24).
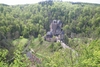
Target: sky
(16,2)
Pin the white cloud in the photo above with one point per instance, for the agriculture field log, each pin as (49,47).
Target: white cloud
(88,1)
(14,2)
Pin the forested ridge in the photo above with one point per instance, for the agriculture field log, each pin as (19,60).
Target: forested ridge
(23,25)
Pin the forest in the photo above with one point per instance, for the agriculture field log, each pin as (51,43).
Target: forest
(23,27)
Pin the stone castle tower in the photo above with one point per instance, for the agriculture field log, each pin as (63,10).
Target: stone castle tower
(55,30)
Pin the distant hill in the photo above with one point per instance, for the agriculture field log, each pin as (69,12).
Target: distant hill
(79,18)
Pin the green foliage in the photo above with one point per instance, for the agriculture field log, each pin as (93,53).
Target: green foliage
(55,46)
(3,54)
(26,20)
(66,40)
(20,60)
(91,55)
(40,39)
(61,58)
(23,21)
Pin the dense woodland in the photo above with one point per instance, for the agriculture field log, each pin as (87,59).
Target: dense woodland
(24,26)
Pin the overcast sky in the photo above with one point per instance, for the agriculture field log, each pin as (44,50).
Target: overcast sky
(15,2)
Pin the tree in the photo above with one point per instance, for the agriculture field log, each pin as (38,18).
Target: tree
(40,39)
(90,55)
(66,40)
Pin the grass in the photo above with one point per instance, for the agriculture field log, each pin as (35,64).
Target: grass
(20,42)
(41,48)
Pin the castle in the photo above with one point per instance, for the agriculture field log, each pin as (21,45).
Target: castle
(55,30)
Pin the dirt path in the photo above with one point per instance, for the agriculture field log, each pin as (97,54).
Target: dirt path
(65,46)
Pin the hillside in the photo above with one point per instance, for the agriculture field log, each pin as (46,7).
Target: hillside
(23,27)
